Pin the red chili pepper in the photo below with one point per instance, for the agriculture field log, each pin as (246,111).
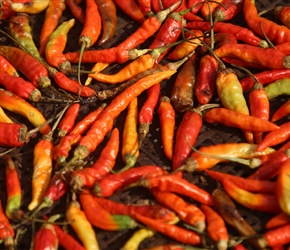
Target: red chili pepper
(205,82)
(5,10)
(277,220)
(283,14)
(216,227)
(182,97)
(256,201)
(176,184)
(45,238)
(264,27)
(7,67)
(157,212)
(20,87)
(66,240)
(166,114)
(109,184)
(131,9)
(31,68)
(18,135)
(108,13)
(68,120)
(86,177)
(13,190)
(187,212)
(207,8)
(76,10)
(281,112)
(145,7)
(251,185)
(195,5)
(104,219)
(277,236)
(6,230)
(228,10)
(241,33)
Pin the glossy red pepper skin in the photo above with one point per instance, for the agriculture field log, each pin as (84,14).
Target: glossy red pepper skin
(18,135)
(6,230)
(7,67)
(45,238)
(228,10)
(283,14)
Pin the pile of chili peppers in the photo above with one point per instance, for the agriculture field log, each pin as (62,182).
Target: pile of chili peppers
(144,124)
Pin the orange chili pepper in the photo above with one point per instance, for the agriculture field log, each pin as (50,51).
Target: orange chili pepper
(7,67)
(208,8)
(131,9)
(76,10)
(283,14)
(277,220)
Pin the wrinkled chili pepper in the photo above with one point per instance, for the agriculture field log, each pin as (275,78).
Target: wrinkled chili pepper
(13,190)
(166,114)
(256,201)
(276,237)
(76,10)
(104,219)
(15,104)
(18,135)
(228,10)
(131,9)
(187,212)
(81,226)
(283,14)
(31,7)
(56,44)
(109,184)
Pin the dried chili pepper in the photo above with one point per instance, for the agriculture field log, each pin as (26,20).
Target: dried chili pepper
(76,10)
(283,14)
(176,184)
(68,120)
(52,16)
(276,237)
(216,227)
(18,135)
(241,33)
(15,104)
(135,240)
(56,44)
(205,82)
(13,190)
(256,201)
(187,212)
(66,240)
(278,88)
(86,177)
(166,114)
(282,193)
(131,9)
(31,7)
(21,31)
(108,13)
(104,124)
(264,27)
(234,119)
(81,226)
(109,184)
(20,87)
(45,238)
(6,230)
(228,10)
(182,95)
(103,219)
(7,67)
(31,68)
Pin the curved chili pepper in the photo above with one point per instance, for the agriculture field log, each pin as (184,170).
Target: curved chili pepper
(234,119)
(216,227)
(277,236)
(68,120)
(108,13)
(283,14)
(15,104)
(156,212)
(66,240)
(13,190)
(187,212)
(31,7)
(182,96)
(76,10)
(27,64)
(130,147)
(86,177)
(207,8)
(176,184)
(6,230)
(241,33)
(98,67)
(17,85)
(174,232)
(205,82)
(256,201)
(194,5)
(135,240)
(277,220)
(131,9)
(228,10)
(45,238)
(81,226)
(104,219)
(104,124)
(281,112)
(52,16)
(278,88)
(264,27)
(56,44)
(7,67)
(18,135)
(166,114)
(264,77)
(109,184)
(21,31)
(272,58)
(4,118)
(251,185)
